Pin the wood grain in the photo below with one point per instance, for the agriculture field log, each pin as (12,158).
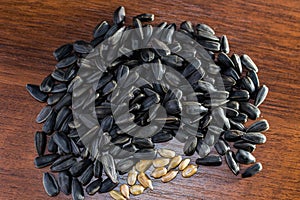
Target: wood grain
(268,31)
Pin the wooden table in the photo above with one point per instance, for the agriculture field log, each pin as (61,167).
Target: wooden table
(268,31)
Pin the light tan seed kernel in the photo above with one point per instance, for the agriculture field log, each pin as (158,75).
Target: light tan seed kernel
(143,165)
(174,162)
(124,189)
(167,153)
(169,176)
(189,171)
(132,176)
(145,180)
(116,195)
(159,172)
(184,164)
(136,189)
(160,162)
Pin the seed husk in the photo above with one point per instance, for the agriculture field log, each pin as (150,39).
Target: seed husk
(244,157)
(40,141)
(169,176)
(50,184)
(45,160)
(65,180)
(116,195)
(252,170)
(248,63)
(77,190)
(254,137)
(145,181)
(132,177)
(136,189)
(94,187)
(124,189)
(233,166)
(109,167)
(161,162)
(107,186)
(261,95)
(143,165)
(159,172)
(34,91)
(86,176)
(174,162)
(259,126)
(167,153)
(189,171)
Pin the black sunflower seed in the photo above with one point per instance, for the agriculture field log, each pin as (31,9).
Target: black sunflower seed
(58,88)
(34,91)
(249,109)
(247,84)
(52,147)
(48,126)
(82,47)
(248,63)
(63,51)
(107,186)
(224,44)
(233,135)
(190,146)
(77,190)
(47,84)
(237,63)
(53,99)
(45,160)
(66,62)
(145,17)
(202,149)
(59,166)
(252,170)
(142,143)
(222,147)
(66,100)
(241,144)
(50,184)
(78,168)
(254,77)
(64,181)
(119,15)
(162,136)
(94,187)
(259,126)
(244,157)
(205,27)
(225,61)
(101,29)
(254,137)
(261,95)
(211,160)
(86,176)
(233,166)
(40,141)
(62,141)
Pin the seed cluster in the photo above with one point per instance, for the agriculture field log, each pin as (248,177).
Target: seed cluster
(227,93)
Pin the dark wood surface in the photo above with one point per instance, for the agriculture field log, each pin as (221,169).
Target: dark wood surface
(268,31)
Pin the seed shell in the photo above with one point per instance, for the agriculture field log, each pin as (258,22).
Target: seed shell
(189,171)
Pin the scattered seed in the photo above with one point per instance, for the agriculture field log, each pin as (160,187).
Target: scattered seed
(132,177)
(184,164)
(159,172)
(116,195)
(125,191)
(161,162)
(189,171)
(136,189)
(145,181)
(169,176)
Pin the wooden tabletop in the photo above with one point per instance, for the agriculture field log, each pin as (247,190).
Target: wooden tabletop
(268,31)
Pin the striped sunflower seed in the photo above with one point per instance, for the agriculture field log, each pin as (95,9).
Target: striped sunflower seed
(169,176)
(189,171)
(159,172)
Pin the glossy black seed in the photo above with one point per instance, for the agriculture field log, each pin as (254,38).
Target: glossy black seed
(59,166)
(82,47)
(94,187)
(52,147)
(64,181)
(248,63)
(237,63)
(45,160)
(119,15)
(254,137)
(259,126)
(147,55)
(261,95)
(107,186)
(40,141)
(63,51)
(142,143)
(233,166)
(162,136)
(244,157)
(78,168)
(86,176)
(252,170)
(254,77)
(66,62)
(77,190)
(211,160)
(66,100)
(241,144)
(241,118)
(204,27)
(58,88)
(62,141)
(47,84)
(210,45)
(249,109)
(225,61)
(247,84)
(190,146)
(145,17)
(61,116)
(48,126)
(101,29)
(50,184)
(98,169)
(233,135)
(224,44)
(188,26)
(239,95)
(34,91)
(237,126)
(44,114)
(53,99)
(222,147)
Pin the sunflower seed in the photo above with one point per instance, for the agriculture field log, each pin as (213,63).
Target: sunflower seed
(62,142)
(40,141)
(145,17)
(162,136)
(45,160)
(244,157)
(143,165)
(237,63)
(132,176)
(50,185)
(254,137)
(65,180)
(161,162)
(258,126)
(248,63)
(174,162)
(240,144)
(86,176)
(107,186)
(224,44)
(78,168)
(136,189)
(249,109)
(63,165)
(142,143)
(252,170)
(261,95)
(190,146)
(169,176)
(109,167)
(124,189)
(233,166)
(233,135)
(189,171)
(145,181)
(222,147)
(184,164)
(77,190)
(211,160)
(63,51)
(47,84)
(34,91)
(116,195)
(159,172)
(94,187)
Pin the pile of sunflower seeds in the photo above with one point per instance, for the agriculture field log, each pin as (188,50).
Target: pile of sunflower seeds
(226,90)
